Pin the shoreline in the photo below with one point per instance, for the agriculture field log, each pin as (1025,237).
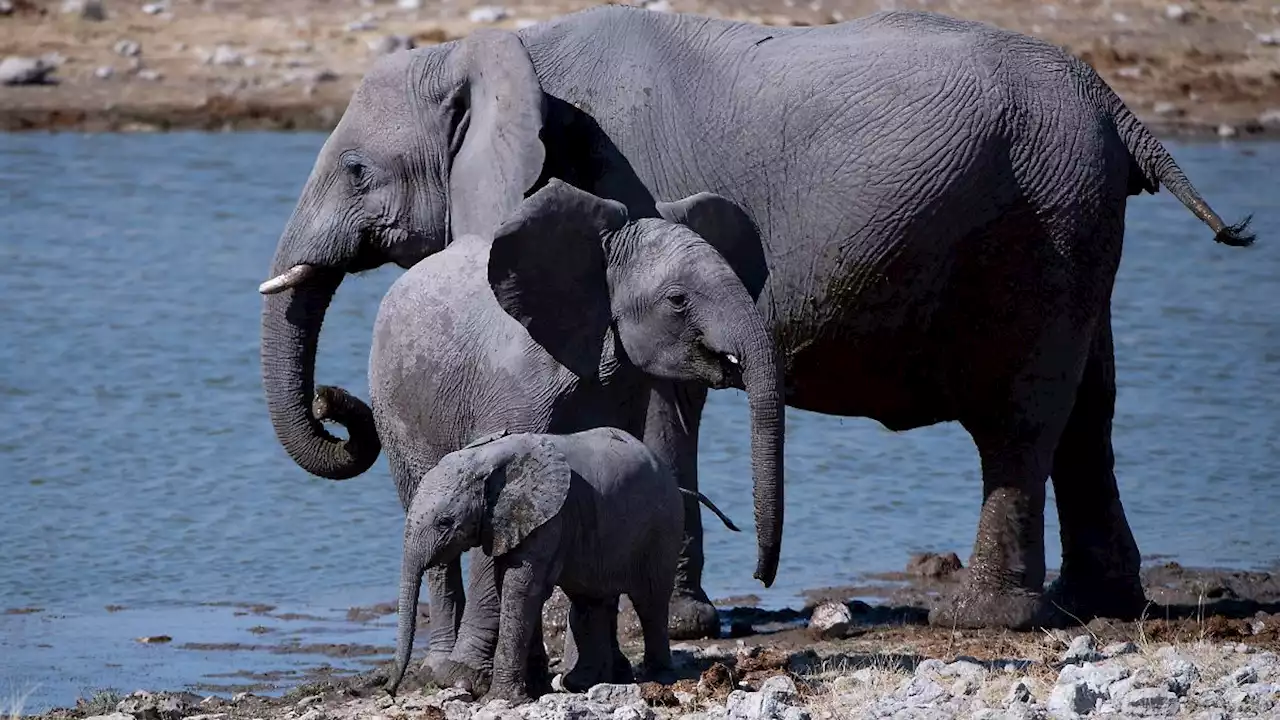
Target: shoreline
(871,660)
(1206,70)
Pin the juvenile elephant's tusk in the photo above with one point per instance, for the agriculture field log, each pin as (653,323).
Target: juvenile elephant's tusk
(290,278)
(733,359)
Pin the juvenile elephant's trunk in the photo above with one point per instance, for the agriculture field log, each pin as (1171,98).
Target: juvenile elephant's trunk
(291,321)
(762,378)
(411,569)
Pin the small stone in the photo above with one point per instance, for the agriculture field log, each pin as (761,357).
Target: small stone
(1164,109)
(240,697)
(931,666)
(795,713)
(658,6)
(1176,13)
(225,55)
(831,620)
(16,70)
(1019,694)
(934,565)
(155,8)
(1132,72)
(409,4)
(308,701)
(523,23)
(781,686)
(362,25)
(127,48)
(634,712)
(104,72)
(1182,673)
(1212,715)
(615,695)
(111,716)
(1083,648)
(1151,701)
(453,693)
(1115,650)
(488,14)
(150,75)
(1269,39)
(388,44)
(6,7)
(1120,18)
(1244,676)
(312,714)
(1269,119)
(1073,698)
(86,9)
(920,690)
(1226,131)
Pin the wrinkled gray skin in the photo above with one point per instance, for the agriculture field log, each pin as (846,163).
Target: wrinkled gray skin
(942,206)
(591,512)
(560,323)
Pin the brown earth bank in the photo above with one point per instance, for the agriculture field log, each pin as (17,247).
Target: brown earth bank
(1185,67)
(1207,646)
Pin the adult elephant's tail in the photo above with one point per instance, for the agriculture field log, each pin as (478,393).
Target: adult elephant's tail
(1153,164)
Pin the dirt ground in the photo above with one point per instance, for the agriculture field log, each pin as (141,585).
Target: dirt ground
(1189,67)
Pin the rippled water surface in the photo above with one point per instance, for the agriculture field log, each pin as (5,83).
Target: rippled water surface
(139,470)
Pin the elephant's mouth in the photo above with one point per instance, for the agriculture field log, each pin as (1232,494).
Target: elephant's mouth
(730,367)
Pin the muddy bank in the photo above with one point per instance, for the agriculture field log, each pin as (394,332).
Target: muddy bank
(880,660)
(1208,67)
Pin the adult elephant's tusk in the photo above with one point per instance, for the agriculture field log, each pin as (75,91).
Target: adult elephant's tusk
(290,278)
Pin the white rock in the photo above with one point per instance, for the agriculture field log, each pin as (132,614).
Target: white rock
(1227,131)
(1244,676)
(1182,672)
(920,690)
(1131,72)
(150,75)
(615,695)
(111,716)
(155,8)
(1072,698)
(1120,18)
(488,14)
(658,6)
(1083,648)
(1101,677)
(17,70)
(831,620)
(781,686)
(308,701)
(452,693)
(1164,109)
(742,705)
(635,711)
(409,4)
(963,669)
(1269,39)
(1151,701)
(795,713)
(86,9)
(127,48)
(523,23)
(104,72)
(932,666)
(1176,13)
(388,44)
(226,55)
(362,25)
(6,7)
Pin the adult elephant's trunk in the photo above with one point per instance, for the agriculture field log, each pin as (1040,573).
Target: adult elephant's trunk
(411,569)
(762,378)
(291,320)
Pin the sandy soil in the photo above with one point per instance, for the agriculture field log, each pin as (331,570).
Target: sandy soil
(293,63)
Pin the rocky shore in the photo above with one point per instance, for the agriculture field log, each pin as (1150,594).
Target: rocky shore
(1187,67)
(1208,647)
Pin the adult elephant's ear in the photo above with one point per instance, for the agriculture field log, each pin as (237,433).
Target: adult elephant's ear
(497,153)
(729,229)
(547,270)
(524,494)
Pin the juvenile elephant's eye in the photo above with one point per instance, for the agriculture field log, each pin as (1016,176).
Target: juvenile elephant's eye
(354,168)
(678,300)
(444,523)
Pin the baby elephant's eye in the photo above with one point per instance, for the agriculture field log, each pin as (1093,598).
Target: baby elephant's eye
(444,523)
(678,300)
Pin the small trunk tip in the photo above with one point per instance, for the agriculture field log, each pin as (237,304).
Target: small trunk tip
(767,568)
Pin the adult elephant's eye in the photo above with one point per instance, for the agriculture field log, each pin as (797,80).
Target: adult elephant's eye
(355,169)
(444,523)
(678,300)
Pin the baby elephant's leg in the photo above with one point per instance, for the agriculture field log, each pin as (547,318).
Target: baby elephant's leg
(591,622)
(523,590)
(652,602)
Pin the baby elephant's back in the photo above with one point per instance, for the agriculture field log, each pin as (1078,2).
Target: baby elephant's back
(637,496)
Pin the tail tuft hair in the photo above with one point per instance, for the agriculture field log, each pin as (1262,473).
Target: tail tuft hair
(1236,235)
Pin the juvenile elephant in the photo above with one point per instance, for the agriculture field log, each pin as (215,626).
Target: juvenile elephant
(559,322)
(942,208)
(593,513)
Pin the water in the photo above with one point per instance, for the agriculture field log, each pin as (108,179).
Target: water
(139,468)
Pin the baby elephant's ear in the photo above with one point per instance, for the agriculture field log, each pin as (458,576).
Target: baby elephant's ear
(528,492)
(729,230)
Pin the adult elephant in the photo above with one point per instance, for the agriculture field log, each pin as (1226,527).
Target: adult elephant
(941,204)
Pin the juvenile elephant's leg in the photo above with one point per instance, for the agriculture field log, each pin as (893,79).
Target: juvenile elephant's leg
(651,604)
(469,663)
(523,588)
(671,432)
(594,651)
(447,602)
(620,671)
(1100,560)
(539,665)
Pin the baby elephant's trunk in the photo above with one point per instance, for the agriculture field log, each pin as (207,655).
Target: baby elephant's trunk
(411,569)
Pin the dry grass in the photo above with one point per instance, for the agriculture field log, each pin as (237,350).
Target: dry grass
(11,707)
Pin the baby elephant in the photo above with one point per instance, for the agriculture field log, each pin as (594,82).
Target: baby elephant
(593,512)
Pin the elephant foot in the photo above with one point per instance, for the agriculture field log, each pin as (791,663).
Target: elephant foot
(979,607)
(539,676)
(692,616)
(450,673)
(510,693)
(661,675)
(622,672)
(1086,598)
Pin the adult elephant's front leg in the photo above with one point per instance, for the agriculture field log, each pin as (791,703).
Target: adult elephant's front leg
(671,432)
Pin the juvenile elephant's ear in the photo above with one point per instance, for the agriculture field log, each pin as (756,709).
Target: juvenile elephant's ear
(729,230)
(501,153)
(547,270)
(525,494)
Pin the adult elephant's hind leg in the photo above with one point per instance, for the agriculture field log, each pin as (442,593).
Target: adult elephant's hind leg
(1100,560)
(671,432)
